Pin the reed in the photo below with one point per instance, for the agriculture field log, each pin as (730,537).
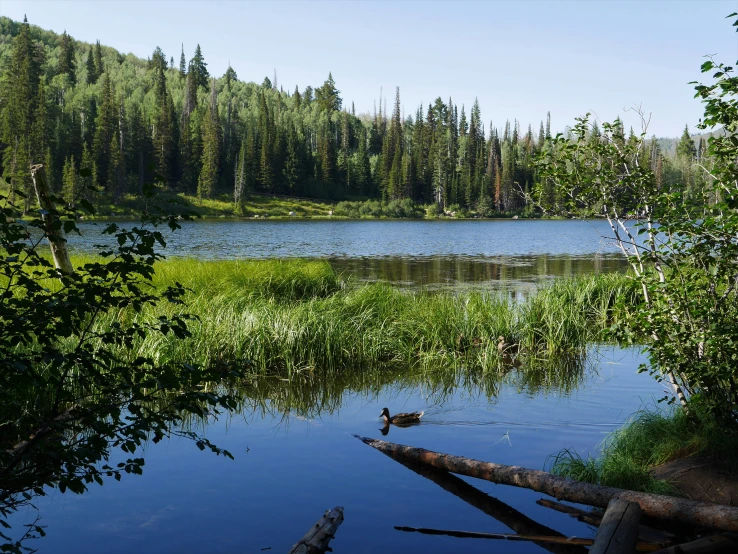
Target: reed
(294,316)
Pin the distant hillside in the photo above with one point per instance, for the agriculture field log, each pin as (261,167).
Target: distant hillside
(94,116)
(668,145)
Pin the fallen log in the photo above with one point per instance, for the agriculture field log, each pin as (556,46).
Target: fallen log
(507,515)
(618,532)
(645,533)
(722,543)
(317,538)
(640,547)
(562,488)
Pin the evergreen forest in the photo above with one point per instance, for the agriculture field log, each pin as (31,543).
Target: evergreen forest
(104,124)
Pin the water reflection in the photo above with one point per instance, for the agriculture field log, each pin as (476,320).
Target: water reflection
(501,272)
(295,457)
(311,395)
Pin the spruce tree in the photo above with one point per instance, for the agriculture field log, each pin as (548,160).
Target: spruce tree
(90,67)
(99,69)
(210,149)
(182,64)
(165,130)
(292,163)
(67,64)
(105,128)
(19,91)
(328,97)
(541,137)
(199,68)
(70,181)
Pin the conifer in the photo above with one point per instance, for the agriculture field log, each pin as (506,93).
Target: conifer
(67,64)
(182,64)
(199,68)
(90,67)
(99,69)
(210,149)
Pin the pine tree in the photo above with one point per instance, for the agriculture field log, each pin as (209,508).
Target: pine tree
(87,172)
(105,129)
(99,69)
(199,68)
(297,99)
(19,91)
(292,163)
(70,181)
(67,64)
(327,96)
(686,148)
(211,149)
(362,168)
(90,66)
(541,137)
(686,153)
(165,130)
(182,64)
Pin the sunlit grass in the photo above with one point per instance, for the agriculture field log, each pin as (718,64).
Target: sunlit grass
(649,439)
(294,315)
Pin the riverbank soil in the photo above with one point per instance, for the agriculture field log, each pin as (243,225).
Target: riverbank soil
(701,478)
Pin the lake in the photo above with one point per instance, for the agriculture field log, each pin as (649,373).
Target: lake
(429,253)
(295,453)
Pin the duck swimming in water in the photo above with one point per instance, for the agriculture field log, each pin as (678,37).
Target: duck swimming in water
(401,419)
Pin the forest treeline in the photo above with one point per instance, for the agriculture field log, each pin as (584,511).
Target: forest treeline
(96,117)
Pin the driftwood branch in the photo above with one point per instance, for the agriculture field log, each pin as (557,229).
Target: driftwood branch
(507,515)
(576,541)
(659,506)
(722,543)
(317,538)
(51,228)
(645,533)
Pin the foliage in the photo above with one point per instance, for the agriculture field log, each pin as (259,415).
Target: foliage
(683,249)
(73,389)
(304,143)
(405,208)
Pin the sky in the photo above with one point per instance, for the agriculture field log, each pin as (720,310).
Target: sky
(519,59)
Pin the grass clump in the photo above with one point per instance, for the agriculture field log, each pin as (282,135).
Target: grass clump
(246,280)
(649,439)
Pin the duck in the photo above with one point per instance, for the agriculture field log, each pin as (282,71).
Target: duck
(400,419)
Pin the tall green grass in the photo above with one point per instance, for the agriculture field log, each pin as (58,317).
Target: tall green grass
(650,439)
(293,316)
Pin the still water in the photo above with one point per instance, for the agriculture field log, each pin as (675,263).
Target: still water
(432,254)
(297,458)
(295,453)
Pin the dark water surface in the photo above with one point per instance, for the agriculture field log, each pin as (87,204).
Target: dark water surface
(294,463)
(434,253)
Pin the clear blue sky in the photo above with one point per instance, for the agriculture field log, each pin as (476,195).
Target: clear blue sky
(520,59)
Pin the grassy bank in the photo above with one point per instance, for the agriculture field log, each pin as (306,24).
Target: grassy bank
(650,439)
(130,206)
(292,315)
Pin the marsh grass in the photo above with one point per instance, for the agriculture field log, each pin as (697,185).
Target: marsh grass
(293,316)
(649,439)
